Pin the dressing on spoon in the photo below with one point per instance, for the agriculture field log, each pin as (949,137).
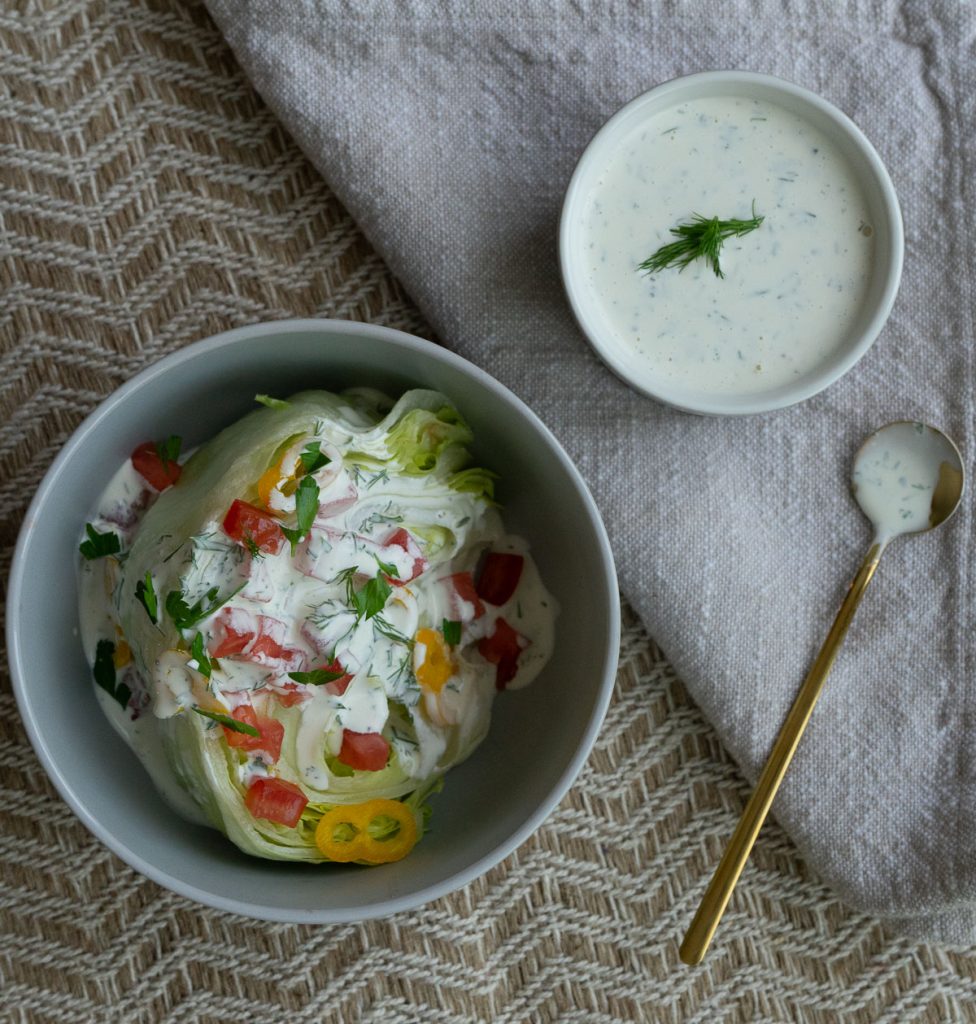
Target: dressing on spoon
(907,478)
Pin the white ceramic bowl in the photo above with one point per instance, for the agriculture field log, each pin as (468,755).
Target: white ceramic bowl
(539,738)
(868,170)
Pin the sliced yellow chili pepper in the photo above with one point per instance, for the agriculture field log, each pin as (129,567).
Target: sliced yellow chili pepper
(438,665)
(278,476)
(268,482)
(361,846)
(122,655)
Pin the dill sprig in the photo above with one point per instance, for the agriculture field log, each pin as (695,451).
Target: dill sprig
(701,237)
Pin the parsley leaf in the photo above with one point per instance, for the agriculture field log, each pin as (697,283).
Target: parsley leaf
(372,598)
(228,723)
(271,403)
(198,652)
(313,458)
(387,567)
(452,632)
(98,544)
(146,596)
(104,672)
(317,677)
(306,507)
(369,601)
(186,615)
(169,450)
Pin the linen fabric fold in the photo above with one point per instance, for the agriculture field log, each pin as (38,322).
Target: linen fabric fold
(450,131)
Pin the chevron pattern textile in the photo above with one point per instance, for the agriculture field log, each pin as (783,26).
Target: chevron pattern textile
(147,199)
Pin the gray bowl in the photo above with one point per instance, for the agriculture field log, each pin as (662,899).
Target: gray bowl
(539,738)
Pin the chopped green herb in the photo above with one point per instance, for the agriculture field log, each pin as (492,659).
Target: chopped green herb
(228,723)
(702,237)
(252,546)
(104,672)
(451,629)
(317,677)
(313,458)
(186,615)
(271,403)
(98,544)
(388,567)
(146,596)
(391,633)
(371,599)
(198,652)
(306,507)
(169,450)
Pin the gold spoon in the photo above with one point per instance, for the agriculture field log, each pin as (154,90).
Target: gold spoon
(907,478)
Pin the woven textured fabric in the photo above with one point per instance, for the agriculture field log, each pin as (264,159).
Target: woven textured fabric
(147,198)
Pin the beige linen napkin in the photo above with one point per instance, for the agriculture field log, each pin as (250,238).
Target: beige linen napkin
(450,131)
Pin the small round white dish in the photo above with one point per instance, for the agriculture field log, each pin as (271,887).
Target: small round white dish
(539,738)
(803,296)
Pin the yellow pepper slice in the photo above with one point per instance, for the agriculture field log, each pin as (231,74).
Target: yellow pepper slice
(122,655)
(361,846)
(438,665)
(268,482)
(278,476)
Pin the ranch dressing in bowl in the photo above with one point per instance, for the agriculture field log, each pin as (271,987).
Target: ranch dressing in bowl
(792,289)
(803,295)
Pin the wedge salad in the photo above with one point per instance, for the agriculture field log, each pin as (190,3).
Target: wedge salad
(303,626)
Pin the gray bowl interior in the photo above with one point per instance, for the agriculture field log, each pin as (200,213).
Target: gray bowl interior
(539,736)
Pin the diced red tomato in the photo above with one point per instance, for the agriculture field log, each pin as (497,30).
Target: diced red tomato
(228,641)
(502,649)
(499,576)
(244,521)
(335,502)
(151,468)
(266,645)
(340,685)
(463,597)
(258,638)
(276,800)
(269,740)
(401,538)
(367,751)
(290,695)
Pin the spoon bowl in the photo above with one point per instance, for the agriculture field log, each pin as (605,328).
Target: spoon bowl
(907,478)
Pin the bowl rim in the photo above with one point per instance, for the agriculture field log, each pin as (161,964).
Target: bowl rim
(262,911)
(720,405)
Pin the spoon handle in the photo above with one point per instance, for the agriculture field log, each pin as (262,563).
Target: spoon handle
(716,897)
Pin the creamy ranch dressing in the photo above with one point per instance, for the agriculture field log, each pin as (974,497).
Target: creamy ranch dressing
(305,595)
(120,509)
(896,474)
(792,289)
